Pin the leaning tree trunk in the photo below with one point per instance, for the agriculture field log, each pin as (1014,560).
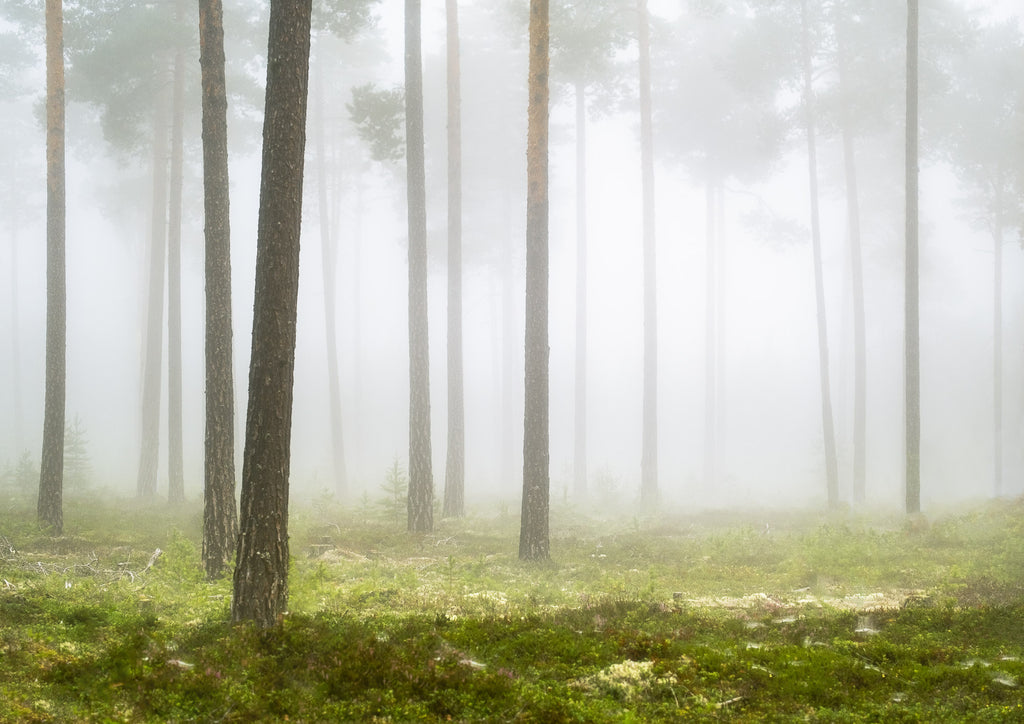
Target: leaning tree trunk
(329,267)
(421,482)
(261,572)
(649,453)
(534,541)
(175,446)
(50,508)
(151,374)
(579,459)
(912,336)
(828,425)
(220,518)
(455,469)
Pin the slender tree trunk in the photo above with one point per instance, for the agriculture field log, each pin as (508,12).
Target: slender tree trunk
(710,343)
(220,518)
(997,344)
(50,509)
(455,469)
(857,279)
(421,481)
(261,572)
(579,465)
(175,446)
(912,350)
(649,454)
(151,376)
(329,267)
(16,383)
(828,427)
(534,543)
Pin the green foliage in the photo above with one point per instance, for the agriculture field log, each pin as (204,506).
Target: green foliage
(378,115)
(395,489)
(77,466)
(647,619)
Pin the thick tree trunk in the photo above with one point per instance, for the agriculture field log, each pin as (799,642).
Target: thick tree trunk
(421,480)
(175,445)
(579,459)
(329,267)
(220,518)
(149,453)
(534,541)
(649,454)
(455,468)
(912,350)
(857,279)
(261,572)
(828,425)
(50,509)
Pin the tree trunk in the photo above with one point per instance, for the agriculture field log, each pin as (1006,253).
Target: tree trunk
(329,267)
(828,426)
(261,572)
(220,518)
(579,465)
(534,541)
(455,468)
(421,481)
(149,453)
(649,454)
(857,279)
(16,382)
(50,509)
(710,343)
(911,343)
(175,447)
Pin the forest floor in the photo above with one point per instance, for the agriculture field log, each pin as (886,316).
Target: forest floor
(730,617)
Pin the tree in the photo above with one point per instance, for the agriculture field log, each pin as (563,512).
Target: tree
(51,469)
(220,518)
(649,455)
(455,469)
(421,483)
(534,541)
(828,424)
(261,571)
(911,340)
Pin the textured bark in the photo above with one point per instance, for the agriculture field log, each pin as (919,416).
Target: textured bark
(421,481)
(827,421)
(649,454)
(220,518)
(534,543)
(175,446)
(51,470)
(455,468)
(579,458)
(911,342)
(261,571)
(149,453)
(857,280)
(329,267)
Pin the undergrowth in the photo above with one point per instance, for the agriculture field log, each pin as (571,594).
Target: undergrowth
(803,617)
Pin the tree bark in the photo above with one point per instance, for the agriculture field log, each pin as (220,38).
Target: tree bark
(579,465)
(828,425)
(421,482)
(149,453)
(220,518)
(50,508)
(912,350)
(649,454)
(175,444)
(329,267)
(261,572)
(455,468)
(534,541)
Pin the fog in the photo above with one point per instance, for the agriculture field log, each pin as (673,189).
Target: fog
(769,410)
